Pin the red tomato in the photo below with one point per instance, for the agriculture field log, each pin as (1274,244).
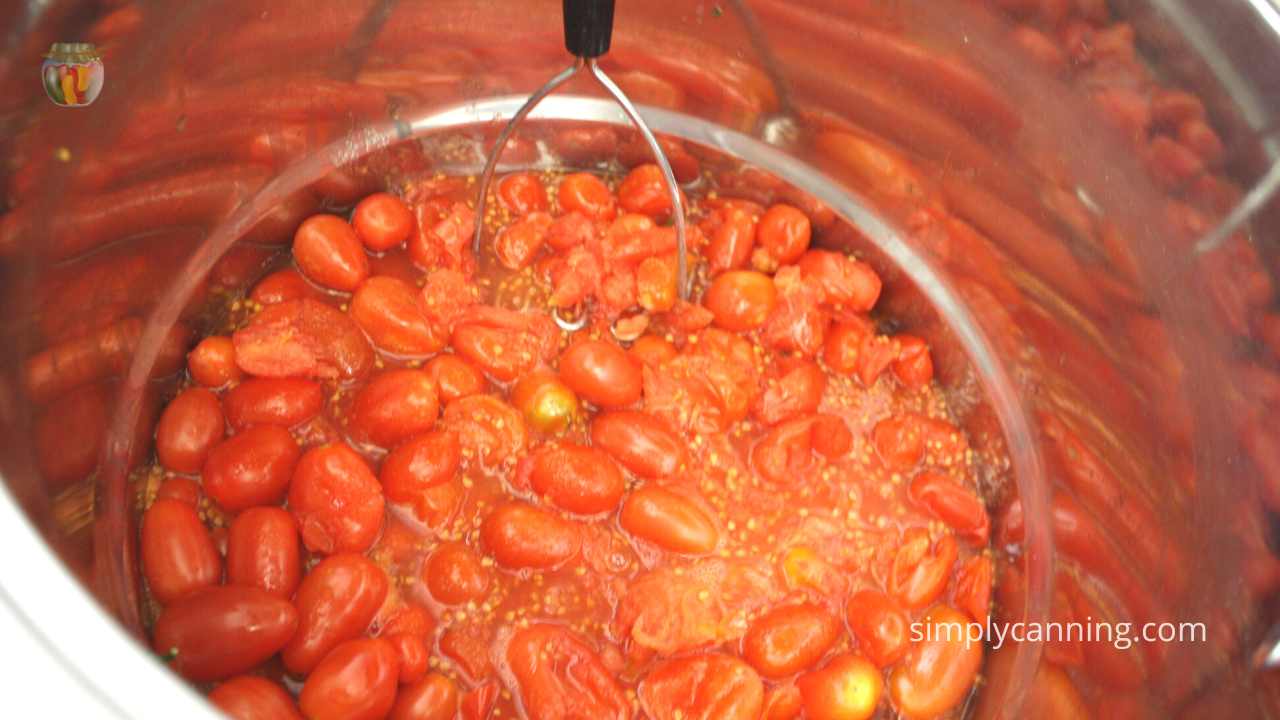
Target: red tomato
(571,230)
(488,429)
(455,377)
(559,676)
(272,401)
(251,468)
(789,639)
(454,574)
(785,455)
(391,312)
(578,479)
(223,631)
(522,193)
(842,349)
(783,232)
(548,405)
(845,282)
(952,503)
(262,551)
(657,283)
(913,366)
(179,488)
(881,626)
(382,221)
(504,343)
(303,338)
(586,194)
(740,300)
(918,576)
(178,556)
(782,702)
(898,442)
(732,239)
(434,697)
(213,362)
(468,646)
(189,427)
(283,285)
(356,681)
(669,520)
(973,587)
(518,243)
(641,442)
(848,688)
(939,670)
(601,373)
(478,703)
(652,350)
(396,404)
(414,656)
(329,253)
(523,536)
(711,686)
(644,191)
(249,697)
(336,500)
(418,465)
(797,390)
(336,602)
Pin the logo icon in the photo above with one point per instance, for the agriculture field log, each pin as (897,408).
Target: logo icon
(72,74)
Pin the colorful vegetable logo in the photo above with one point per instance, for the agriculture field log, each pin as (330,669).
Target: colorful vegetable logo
(72,74)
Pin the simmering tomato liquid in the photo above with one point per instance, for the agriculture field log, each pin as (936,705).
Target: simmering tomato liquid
(402,480)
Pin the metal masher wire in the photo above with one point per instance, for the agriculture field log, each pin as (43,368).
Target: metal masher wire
(588,27)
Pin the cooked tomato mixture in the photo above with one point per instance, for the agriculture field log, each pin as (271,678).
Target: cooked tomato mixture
(404,481)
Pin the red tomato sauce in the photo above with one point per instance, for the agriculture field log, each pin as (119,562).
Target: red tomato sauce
(421,497)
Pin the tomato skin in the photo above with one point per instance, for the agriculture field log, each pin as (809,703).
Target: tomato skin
(212,362)
(789,639)
(919,576)
(914,365)
(741,300)
(223,631)
(355,681)
(881,626)
(845,282)
(263,551)
(575,478)
(179,488)
(522,193)
(390,312)
(455,377)
(952,503)
(336,602)
(382,221)
(652,350)
(249,697)
(417,465)
(732,240)
(478,703)
(329,253)
(711,686)
(520,535)
(454,574)
(586,194)
(639,441)
(898,442)
(518,243)
(601,373)
(178,556)
(784,232)
(336,500)
(560,676)
(251,468)
(842,350)
(303,338)
(847,688)
(434,697)
(395,405)
(282,285)
(938,671)
(668,520)
(973,587)
(189,427)
(413,654)
(286,402)
(644,191)
(797,391)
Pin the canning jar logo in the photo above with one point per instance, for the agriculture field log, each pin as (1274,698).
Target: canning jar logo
(72,74)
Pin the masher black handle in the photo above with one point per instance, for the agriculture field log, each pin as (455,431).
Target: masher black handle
(588,27)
